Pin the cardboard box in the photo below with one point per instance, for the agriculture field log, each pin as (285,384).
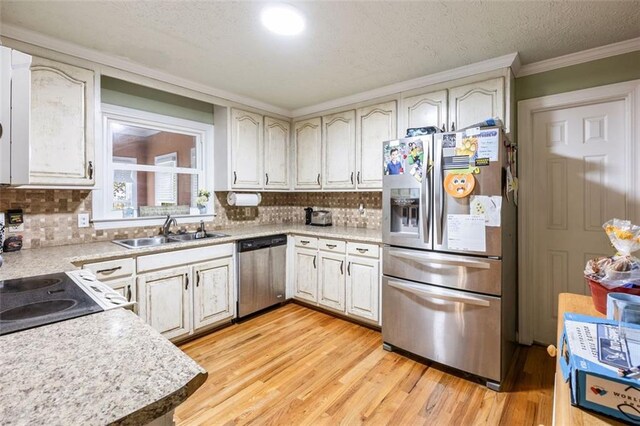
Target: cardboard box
(591,353)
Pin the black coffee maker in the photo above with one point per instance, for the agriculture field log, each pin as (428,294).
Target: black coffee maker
(307,215)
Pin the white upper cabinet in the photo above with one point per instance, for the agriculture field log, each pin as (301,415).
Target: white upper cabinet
(338,146)
(472,103)
(246,150)
(276,153)
(308,153)
(428,109)
(374,125)
(62,124)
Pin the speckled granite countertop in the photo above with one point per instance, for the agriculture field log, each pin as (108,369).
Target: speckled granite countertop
(98,369)
(62,258)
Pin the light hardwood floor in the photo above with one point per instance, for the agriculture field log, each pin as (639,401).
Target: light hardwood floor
(298,366)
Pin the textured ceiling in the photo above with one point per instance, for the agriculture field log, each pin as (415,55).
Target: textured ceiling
(348,47)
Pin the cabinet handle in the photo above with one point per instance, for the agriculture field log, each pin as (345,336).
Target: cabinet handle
(108,271)
(314,262)
(267,175)
(198,279)
(453,126)
(362,250)
(90,169)
(349,268)
(444,128)
(358,178)
(342,267)
(331,246)
(186,277)
(1,130)
(305,242)
(351,178)
(235,177)
(129,293)
(318,179)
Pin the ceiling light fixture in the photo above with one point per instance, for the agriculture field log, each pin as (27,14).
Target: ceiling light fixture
(282,19)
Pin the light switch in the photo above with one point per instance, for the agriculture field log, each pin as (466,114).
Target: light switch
(83,220)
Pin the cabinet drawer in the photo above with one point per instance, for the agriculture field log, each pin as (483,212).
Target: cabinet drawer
(184,257)
(111,269)
(307,242)
(335,246)
(362,249)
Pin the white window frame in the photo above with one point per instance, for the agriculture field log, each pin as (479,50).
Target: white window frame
(103,192)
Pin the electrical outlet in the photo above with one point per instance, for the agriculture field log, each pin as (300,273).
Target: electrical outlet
(83,220)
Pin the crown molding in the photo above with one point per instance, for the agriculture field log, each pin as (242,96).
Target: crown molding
(493,64)
(589,55)
(72,49)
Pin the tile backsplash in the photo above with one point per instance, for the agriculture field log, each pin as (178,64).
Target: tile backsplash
(51,215)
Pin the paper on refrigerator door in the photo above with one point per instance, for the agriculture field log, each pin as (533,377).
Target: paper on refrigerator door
(488,207)
(466,232)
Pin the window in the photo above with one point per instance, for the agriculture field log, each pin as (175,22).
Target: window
(154,166)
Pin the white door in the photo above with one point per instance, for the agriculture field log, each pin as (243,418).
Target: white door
(363,288)
(165,302)
(331,280)
(62,124)
(276,153)
(306,274)
(212,292)
(428,109)
(339,149)
(307,138)
(246,151)
(374,125)
(580,175)
(472,103)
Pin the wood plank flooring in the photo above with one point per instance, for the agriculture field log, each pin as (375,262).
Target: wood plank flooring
(297,366)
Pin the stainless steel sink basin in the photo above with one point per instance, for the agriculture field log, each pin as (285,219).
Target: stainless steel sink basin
(143,242)
(192,236)
(160,240)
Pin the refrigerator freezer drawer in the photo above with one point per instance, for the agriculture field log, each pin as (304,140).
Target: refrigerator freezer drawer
(451,327)
(479,275)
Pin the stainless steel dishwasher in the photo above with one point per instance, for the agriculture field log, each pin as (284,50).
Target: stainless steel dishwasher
(262,272)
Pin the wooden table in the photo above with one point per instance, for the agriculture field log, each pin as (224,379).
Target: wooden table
(563,412)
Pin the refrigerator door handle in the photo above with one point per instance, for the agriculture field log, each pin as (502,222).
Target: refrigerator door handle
(426,206)
(423,292)
(469,263)
(438,189)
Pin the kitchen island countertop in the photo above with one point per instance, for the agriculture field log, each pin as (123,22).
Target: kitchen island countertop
(104,368)
(48,260)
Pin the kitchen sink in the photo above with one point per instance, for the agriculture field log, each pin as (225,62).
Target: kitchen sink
(171,238)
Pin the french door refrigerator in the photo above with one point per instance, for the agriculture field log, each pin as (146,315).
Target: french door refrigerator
(449,256)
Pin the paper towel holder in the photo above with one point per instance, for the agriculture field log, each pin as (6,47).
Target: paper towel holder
(231,197)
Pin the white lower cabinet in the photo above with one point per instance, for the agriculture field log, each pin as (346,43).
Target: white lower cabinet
(126,287)
(212,294)
(306,274)
(331,282)
(165,301)
(363,287)
(342,277)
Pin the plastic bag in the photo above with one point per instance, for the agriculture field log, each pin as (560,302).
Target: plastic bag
(623,269)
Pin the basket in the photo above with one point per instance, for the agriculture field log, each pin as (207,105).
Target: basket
(599,294)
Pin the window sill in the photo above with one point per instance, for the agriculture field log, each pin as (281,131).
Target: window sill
(99,224)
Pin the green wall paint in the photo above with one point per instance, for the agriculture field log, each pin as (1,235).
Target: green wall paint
(614,69)
(123,93)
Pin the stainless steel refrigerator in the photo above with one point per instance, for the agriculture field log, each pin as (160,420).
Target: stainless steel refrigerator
(449,259)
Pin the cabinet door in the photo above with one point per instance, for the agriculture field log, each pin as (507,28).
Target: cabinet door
(276,153)
(246,150)
(374,125)
(472,103)
(306,274)
(213,292)
(308,153)
(428,109)
(331,280)
(126,287)
(62,124)
(164,301)
(338,146)
(363,287)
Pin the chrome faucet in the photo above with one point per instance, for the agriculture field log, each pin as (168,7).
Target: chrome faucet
(166,228)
